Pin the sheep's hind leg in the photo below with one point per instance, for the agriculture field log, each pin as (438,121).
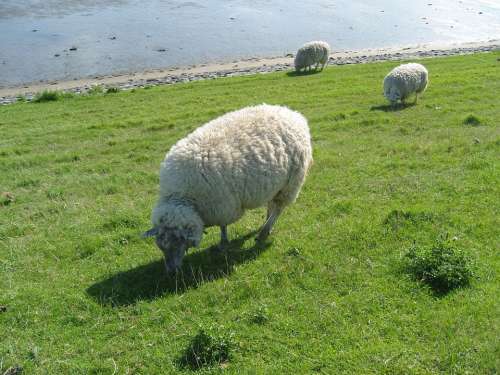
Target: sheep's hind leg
(271,206)
(273,212)
(416,97)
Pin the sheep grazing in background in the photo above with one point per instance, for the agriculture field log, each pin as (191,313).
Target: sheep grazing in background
(313,53)
(242,160)
(405,80)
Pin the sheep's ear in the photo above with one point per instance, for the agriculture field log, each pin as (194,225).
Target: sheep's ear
(150,233)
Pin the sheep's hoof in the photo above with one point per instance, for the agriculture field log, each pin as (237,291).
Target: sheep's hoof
(171,270)
(262,236)
(220,247)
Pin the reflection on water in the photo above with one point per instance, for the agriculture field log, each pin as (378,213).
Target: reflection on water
(52,8)
(64,39)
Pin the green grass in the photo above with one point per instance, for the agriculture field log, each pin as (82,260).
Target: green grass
(84,294)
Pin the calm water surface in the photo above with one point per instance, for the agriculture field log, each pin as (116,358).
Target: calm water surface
(66,39)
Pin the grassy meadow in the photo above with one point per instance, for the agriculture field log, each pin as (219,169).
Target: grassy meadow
(82,293)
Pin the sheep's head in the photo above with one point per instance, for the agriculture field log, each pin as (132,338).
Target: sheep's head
(393,94)
(173,242)
(176,229)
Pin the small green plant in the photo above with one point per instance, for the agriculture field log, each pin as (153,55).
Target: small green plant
(472,120)
(55,193)
(95,90)
(260,316)
(6,198)
(339,117)
(67,95)
(46,96)
(211,346)
(112,90)
(442,266)
(293,252)
(33,354)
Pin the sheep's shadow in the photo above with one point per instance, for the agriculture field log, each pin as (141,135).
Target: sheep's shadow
(294,73)
(150,281)
(392,108)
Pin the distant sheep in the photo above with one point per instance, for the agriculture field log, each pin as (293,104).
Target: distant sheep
(242,160)
(405,80)
(313,53)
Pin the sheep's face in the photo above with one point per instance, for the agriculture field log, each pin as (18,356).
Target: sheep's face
(173,242)
(177,227)
(393,94)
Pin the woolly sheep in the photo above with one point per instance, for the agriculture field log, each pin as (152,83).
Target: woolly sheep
(312,53)
(242,160)
(405,80)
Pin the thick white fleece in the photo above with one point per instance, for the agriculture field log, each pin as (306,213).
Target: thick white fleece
(241,160)
(312,53)
(405,80)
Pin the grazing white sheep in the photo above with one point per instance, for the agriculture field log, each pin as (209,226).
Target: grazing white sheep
(405,80)
(313,53)
(242,160)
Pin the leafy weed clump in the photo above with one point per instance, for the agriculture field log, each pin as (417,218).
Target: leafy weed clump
(112,90)
(260,316)
(6,198)
(211,346)
(46,96)
(441,266)
(95,90)
(472,120)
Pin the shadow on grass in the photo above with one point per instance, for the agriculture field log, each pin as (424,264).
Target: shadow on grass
(411,284)
(150,281)
(294,73)
(391,108)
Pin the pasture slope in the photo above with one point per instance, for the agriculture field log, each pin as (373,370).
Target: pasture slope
(82,293)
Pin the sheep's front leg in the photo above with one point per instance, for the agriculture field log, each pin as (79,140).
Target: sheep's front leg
(416,97)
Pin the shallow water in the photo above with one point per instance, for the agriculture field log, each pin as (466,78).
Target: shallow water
(118,36)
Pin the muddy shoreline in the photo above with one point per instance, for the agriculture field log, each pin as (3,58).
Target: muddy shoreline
(10,95)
